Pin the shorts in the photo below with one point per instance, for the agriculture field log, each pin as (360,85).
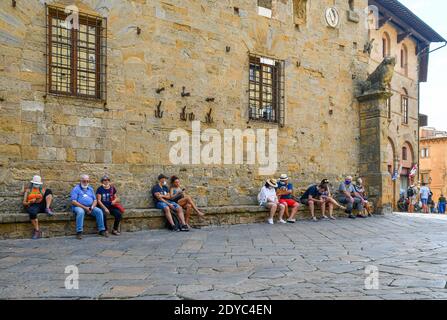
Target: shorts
(161,205)
(424,201)
(290,202)
(34,209)
(305,201)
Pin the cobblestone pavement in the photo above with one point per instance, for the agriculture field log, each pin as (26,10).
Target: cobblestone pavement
(323,260)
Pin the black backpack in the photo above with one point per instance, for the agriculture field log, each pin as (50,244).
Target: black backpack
(410,192)
(176,220)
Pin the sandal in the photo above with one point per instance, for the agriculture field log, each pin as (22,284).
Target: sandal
(116,233)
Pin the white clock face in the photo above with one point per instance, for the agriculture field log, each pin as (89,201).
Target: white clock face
(332,17)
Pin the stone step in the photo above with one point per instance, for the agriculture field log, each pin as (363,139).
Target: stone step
(17,225)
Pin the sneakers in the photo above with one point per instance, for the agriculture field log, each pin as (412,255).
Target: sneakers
(282,221)
(104,233)
(351,216)
(314,219)
(184,228)
(174,228)
(270,221)
(37,234)
(332,218)
(79,235)
(291,221)
(360,216)
(325,218)
(49,212)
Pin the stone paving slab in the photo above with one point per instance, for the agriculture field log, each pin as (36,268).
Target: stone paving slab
(323,260)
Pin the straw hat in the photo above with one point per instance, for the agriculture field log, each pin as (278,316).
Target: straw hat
(37,180)
(272,182)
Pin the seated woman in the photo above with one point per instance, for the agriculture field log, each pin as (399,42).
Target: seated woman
(108,201)
(37,200)
(179,196)
(360,189)
(329,201)
(267,198)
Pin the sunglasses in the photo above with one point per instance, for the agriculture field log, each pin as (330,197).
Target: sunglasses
(85,181)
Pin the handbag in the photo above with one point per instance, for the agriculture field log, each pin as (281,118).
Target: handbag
(118,205)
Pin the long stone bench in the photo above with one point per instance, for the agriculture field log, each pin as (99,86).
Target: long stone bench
(17,225)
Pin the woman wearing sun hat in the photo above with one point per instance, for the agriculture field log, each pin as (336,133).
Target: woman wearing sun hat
(267,198)
(37,199)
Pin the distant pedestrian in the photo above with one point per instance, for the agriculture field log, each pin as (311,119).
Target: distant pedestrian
(442,204)
(424,194)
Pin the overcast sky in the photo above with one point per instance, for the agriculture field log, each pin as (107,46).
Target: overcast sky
(433,92)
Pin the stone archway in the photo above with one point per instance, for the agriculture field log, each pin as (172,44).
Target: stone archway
(391,160)
(407,162)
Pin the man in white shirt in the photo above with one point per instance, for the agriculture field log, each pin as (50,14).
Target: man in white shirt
(424,194)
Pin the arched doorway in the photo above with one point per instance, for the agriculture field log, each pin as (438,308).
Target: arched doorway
(407,162)
(391,167)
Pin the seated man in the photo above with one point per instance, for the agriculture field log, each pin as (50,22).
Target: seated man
(285,194)
(349,197)
(161,196)
(360,189)
(83,200)
(312,196)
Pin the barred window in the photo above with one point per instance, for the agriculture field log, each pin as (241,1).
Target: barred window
(266,89)
(76,54)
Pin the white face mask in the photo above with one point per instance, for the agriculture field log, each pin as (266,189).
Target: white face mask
(165,183)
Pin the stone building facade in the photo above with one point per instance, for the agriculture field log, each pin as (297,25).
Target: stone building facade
(159,63)
(433,160)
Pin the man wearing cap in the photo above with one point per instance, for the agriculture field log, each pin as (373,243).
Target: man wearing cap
(313,197)
(285,194)
(161,196)
(83,200)
(37,200)
(349,197)
(268,199)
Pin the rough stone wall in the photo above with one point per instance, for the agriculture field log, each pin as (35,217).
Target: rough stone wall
(182,43)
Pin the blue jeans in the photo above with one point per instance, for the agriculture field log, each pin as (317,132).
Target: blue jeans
(96,213)
(442,207)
